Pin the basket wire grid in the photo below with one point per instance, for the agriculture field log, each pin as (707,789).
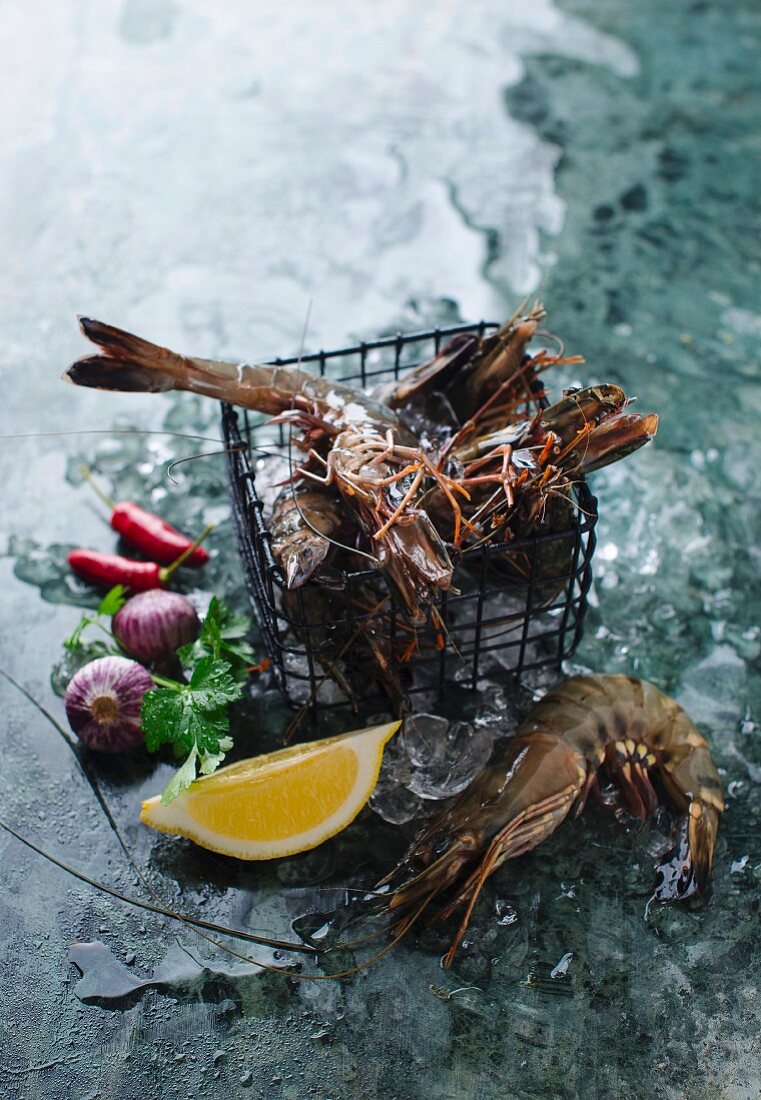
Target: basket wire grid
(527,617)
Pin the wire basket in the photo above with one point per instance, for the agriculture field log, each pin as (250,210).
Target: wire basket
(518,606)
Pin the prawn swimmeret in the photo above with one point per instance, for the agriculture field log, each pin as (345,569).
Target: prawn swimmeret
(585,727)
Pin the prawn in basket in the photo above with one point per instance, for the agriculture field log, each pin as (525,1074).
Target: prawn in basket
(417,505)
(352,443)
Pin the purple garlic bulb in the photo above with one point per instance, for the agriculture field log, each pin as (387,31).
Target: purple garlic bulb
(103,703)
(153,625)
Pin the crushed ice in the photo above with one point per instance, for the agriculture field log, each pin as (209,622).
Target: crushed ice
(435,758)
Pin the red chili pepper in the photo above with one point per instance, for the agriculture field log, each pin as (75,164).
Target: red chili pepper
(107,570)
(147,532)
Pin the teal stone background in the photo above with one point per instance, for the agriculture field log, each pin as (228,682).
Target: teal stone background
(198,172)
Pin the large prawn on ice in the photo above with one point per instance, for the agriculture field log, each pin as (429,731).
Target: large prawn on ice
(583,728)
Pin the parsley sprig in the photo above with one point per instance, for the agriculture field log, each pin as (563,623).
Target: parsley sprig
(223,637)
(114,599)
(194,717)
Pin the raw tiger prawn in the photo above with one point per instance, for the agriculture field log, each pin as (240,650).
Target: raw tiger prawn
(413,504)
(511,451)
(358,445)
(585,728)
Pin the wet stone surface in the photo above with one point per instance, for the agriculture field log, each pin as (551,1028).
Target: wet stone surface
(198,172)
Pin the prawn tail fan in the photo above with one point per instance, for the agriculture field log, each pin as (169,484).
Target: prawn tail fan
(702,828)
(686,872)
(127,363)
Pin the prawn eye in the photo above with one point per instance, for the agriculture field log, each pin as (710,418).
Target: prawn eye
(440,846)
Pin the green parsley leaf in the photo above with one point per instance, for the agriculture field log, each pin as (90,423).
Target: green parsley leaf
(181,779)
(212,685)
(108,606)
(113,601)
(193,718)
(74,641)
(223,637)
(210,763)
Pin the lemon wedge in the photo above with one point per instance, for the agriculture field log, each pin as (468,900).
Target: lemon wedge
(281,803)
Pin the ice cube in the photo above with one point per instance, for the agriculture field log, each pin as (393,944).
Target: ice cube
(460,756)
(425,738)
(395,804)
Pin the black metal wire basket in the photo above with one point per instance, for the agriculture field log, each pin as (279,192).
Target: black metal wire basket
(517,605)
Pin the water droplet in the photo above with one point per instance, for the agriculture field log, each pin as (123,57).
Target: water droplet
(559,971)
(506,913)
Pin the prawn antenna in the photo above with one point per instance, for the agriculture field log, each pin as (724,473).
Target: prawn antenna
(150,907)
(236,448)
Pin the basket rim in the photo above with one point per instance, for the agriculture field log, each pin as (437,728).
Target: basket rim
(389,341)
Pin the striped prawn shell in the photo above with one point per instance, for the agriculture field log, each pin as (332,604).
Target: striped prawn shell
(592,713)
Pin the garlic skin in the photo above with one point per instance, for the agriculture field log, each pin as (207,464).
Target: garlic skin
(103,703)
(153,625)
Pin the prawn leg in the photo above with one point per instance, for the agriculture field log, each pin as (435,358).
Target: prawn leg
(524,796)
(523,834)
